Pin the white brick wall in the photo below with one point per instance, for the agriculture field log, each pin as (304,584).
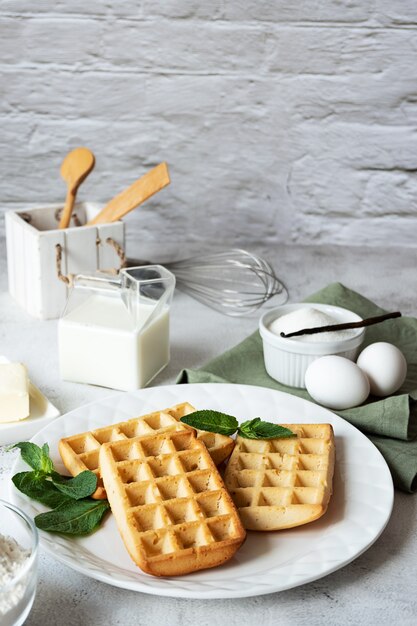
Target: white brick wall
(280,120)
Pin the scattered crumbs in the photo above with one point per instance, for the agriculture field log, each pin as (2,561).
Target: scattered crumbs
(7,458)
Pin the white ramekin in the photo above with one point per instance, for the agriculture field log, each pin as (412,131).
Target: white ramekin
(286,360)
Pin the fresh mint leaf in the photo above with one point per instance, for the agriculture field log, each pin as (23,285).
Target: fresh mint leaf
(35,485)
(81,486)
(216,422)
(46,461)
(37,458)
(73,512)
(73,518)
(257,429)
(211,421)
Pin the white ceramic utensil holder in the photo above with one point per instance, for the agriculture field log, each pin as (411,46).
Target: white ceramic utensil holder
(33,239)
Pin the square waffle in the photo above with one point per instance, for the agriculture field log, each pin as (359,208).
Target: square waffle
(81,452)
(171,506)
(282,483)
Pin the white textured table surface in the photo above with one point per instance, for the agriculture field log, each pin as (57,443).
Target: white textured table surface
(377,588)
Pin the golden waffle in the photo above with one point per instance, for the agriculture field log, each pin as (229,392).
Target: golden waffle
(81,452)
(170,504)
(281,483)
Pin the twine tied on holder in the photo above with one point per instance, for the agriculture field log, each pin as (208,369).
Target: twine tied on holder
(69,278)
(74,217)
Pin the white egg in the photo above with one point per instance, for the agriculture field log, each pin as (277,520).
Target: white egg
(336,382)
(385,366)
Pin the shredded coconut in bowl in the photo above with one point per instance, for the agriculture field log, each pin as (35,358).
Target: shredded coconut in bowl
(12,558)
(309,317)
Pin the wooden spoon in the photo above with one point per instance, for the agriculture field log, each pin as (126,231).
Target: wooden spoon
(74,169)
(133,196)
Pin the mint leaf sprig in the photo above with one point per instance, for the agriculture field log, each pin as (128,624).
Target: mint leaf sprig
(258,429)
(217,422)
(36,457)
(74,512)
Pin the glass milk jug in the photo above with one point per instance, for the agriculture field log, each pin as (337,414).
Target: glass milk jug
(114,331)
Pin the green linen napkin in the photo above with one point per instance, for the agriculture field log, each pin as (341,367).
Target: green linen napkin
(390,423)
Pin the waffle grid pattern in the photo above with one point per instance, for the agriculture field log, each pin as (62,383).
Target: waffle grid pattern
(280,483)
(170,503)
(80,452)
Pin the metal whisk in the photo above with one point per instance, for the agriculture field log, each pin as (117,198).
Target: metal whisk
(234,282)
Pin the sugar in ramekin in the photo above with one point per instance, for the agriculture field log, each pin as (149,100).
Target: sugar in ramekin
(286,360)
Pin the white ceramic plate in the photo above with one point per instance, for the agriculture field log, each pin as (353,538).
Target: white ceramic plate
(358,512)
(42,412)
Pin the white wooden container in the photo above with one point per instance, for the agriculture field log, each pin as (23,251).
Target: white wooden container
(32,238)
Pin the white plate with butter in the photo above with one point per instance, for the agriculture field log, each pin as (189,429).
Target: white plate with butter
(42,412)
(267,562)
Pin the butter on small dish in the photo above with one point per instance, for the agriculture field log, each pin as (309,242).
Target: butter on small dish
(42,412)
(14,392)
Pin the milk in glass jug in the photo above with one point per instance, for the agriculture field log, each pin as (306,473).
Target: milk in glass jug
(114,331)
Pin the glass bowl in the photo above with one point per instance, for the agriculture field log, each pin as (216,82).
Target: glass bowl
(18,575)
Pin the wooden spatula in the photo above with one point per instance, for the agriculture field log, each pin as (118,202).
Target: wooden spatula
(133,196)
(74,169)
